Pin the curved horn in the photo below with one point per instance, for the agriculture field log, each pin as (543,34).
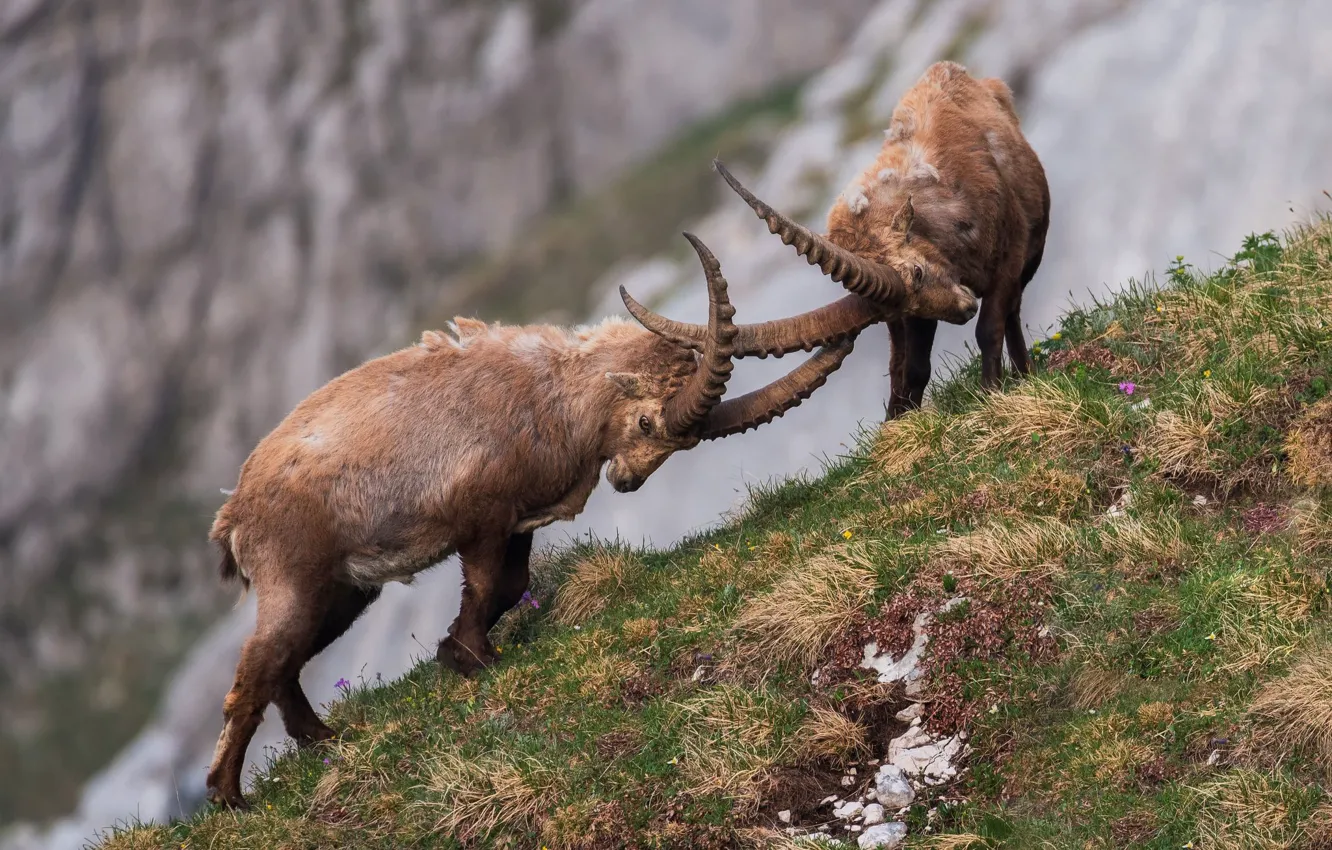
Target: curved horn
(704,389)
(734,416)
(832,323)
(867,278)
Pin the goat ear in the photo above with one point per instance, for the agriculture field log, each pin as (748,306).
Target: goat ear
(904,216)
(632,384)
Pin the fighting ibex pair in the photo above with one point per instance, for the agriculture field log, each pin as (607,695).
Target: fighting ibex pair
(469,442)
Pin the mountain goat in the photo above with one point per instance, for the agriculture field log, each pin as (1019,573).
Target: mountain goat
(466,444)
(955,204)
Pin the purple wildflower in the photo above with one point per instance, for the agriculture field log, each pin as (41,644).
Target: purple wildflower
(1127,387)
(342,685)
(529,599)
(326,761)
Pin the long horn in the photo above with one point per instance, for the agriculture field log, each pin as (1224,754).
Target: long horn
(705,387)
(829,324)
(875,281)
(751,410)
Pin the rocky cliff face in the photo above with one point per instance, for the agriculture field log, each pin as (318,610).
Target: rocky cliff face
(208,209)
(1165,127)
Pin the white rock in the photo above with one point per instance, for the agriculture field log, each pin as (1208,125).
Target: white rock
(784,816)
(873,814)
(855,827)
(849,810)
(887,835)
(831,798)
(891,787)
(911,712)
(848,781)
(924,757)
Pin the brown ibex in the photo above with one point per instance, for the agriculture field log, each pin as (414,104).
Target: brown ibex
(466,444)
(956,199)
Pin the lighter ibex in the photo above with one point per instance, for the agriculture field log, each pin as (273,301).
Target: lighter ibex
(465,444)
(956,199)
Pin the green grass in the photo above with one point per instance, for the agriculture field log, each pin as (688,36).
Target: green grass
(1143,659)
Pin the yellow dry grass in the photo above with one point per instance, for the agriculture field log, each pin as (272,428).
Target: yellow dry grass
(1134,542)
(907,440)
(957,841)
(1244,810)
(1264,614)
(1313,524)
(1155,713)
(592,583)
(730,743)
(1294,712)
(1309,447)
(795,621)
(1007,552)
(1040,415)
(1106,749)
(1181,443)
(471,796)
(1094,686)
(825,734)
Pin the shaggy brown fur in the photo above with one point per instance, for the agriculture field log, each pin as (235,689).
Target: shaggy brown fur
(462,443)
(955,198)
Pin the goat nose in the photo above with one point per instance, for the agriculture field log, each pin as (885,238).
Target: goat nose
(634,483)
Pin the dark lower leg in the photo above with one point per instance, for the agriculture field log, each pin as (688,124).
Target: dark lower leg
(299,718)
(990,339)
(467,649)
(920,346)
(514,578)
(897,390)
(1017,345)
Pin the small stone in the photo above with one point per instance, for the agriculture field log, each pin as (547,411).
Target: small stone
(831,798)
(851,771)
(891,787)
(848,781)
(886,835)
(873,814)
(784,816)
(855,827)
(910,713)
(848,810)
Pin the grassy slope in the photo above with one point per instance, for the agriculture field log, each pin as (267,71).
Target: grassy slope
(1147,676)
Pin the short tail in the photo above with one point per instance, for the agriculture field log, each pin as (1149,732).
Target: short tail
(229,569)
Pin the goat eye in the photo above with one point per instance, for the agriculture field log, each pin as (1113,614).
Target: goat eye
(645,424)
(917,274)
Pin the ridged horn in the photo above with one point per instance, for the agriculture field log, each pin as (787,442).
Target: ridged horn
(875,281)
(704,389)
(734,416)
(826,325)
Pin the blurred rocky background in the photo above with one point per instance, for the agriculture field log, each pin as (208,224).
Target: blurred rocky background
(209,208)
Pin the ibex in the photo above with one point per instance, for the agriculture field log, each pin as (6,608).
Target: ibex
(466,444)
(956,203)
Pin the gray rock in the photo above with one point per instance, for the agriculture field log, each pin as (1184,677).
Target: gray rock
(887,835)
(892,789)
(873,814)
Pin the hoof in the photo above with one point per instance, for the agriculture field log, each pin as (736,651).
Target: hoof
(233,801)
(314,736)
(452,655)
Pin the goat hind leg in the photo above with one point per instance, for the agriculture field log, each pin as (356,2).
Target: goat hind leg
(898,401)
(346,604)
(514,577)
(1017,343)
(285,631)
(919,348)
(990,339)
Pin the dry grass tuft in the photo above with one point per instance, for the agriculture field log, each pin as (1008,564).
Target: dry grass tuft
(475,795)
(731,742)
(1039,414)
(1006,552)
(591,584)
(140,838)
(1105,748)
(1155,713)
(1309,447)
(907,440)
(825,734)
(1313,525)
(959,841)
(1295,711)
(1133,542)
(1244,810)
(1182,444)
(1094,687)
(1264,615)
(797,619)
